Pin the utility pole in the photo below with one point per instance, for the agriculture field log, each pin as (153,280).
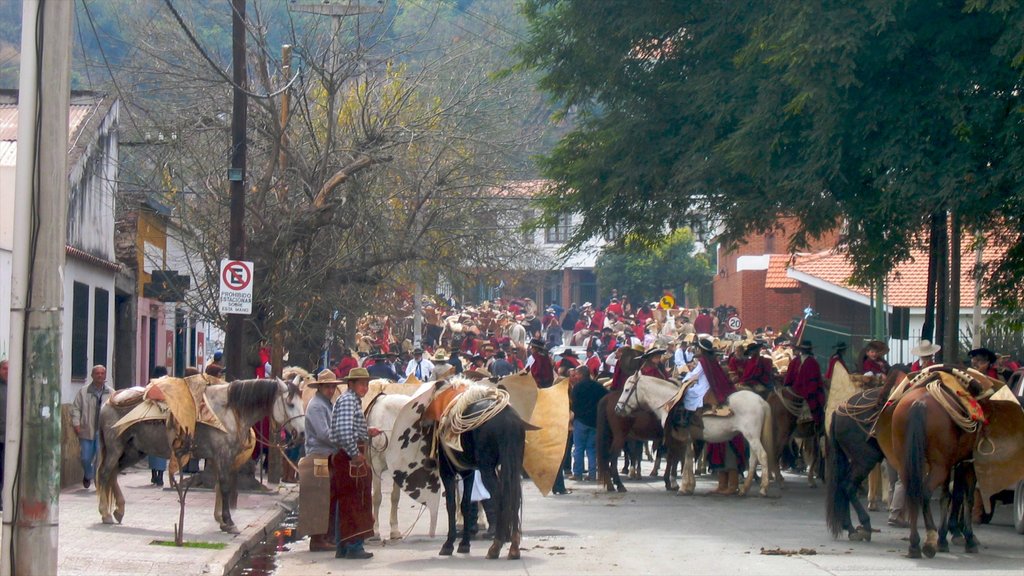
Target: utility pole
(951,343)
(235,335)
(31,489)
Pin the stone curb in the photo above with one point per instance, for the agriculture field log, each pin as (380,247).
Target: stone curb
(257,531)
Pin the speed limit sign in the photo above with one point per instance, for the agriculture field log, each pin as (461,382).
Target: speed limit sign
(733,323)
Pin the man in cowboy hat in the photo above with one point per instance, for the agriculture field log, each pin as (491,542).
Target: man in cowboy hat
(567,362)
(319,445)
(758,370)
(351,479)
(706,376)
(808,384)
(836,358)
(925,352)
(983,360)
(442,365)
(384,367)
(539,364)
(419,366)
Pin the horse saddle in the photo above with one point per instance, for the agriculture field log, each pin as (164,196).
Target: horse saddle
(717,412)
(467,411)
(127,397)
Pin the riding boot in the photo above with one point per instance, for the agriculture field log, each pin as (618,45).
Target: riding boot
(723,482)
(734,483)
(152,477)
(160,478)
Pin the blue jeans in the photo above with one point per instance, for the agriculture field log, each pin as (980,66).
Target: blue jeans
(89,456)
(584,439)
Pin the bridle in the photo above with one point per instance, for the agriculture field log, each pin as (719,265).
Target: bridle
(627,394)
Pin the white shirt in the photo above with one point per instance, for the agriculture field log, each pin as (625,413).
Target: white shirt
(426,367)
(693,398)
(682,356)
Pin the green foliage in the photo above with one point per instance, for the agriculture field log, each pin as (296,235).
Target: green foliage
(872,115)
(641,270)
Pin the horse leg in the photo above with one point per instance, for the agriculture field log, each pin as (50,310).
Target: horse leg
(377,497)
(689,483)
(396,532)
(513,549)
(931,539)
(970,480)
(448,479)
(875,488)
(470,513)
(757,454)
(658,452)
(863,532)
(490,480)
(225,488)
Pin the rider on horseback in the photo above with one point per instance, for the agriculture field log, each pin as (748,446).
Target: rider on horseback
(709,377)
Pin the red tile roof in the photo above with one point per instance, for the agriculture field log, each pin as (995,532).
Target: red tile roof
(776,277)
(906,285)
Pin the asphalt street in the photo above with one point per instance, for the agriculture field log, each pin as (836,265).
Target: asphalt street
(651,531)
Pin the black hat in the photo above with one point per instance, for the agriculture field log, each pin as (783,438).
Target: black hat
(984,353)
(417,351)
(706,344)
(839,345)
(805,346)
(570,353)
(538,343)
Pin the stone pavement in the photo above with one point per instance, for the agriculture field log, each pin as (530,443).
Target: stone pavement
(88,547)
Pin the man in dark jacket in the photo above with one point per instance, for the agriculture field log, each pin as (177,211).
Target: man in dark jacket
(384,367)
(583,399)
(501,367)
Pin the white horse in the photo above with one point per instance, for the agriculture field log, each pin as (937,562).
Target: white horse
(381,415)
(752,417)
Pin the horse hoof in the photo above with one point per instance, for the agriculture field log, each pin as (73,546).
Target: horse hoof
(928,550)
(861,534)
(446,550)
(463,548)
(396,536)
(914,553)
(108,520)
(873,506)
(513,554)
(118,516)
(971,548)
(494,551)
(959,540)
(229,528)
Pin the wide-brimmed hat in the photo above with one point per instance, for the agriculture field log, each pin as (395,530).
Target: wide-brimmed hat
(706,344)
(882,347)
(984,353)
(569,352)
(842,345)
(324,377)
(805,346)
(652,352)
(440,355)
(538,343)
(753,345)
(925,348)
(417,351)
(480,373)
(357,374)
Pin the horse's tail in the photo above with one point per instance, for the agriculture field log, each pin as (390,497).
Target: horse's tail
(916,455)
(510,459)
(603,444)
(837,502)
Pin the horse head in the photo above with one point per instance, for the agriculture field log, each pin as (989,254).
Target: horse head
(289,411)
(628,402)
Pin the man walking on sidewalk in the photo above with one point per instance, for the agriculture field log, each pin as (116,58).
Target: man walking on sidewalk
(85,417)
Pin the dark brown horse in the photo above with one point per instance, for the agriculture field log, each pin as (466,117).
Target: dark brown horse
(612,433)
(786,407)
(925,443)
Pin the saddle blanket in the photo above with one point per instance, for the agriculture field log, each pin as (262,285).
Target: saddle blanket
(184,399)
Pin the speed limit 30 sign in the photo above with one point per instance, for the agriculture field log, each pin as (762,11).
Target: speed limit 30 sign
(235,287)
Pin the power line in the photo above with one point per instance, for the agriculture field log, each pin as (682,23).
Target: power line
(106,63)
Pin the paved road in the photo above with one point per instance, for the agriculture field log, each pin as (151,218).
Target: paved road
(650,531)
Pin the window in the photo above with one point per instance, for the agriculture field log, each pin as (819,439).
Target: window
(100,324)
(80,331)
(769,243)
(559,233)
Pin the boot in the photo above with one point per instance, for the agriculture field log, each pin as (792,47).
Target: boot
(723,482)
(152,477)
(732,488)
(160,478)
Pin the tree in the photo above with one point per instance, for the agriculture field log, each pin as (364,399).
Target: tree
(873,116)
(641,270)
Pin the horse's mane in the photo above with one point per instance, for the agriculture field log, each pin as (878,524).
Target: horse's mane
(252,396)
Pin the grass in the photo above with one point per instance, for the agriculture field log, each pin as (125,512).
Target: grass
(204,545)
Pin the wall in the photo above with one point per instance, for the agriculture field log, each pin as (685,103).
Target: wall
(77,271)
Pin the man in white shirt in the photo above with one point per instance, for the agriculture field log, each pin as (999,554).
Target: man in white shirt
(683,356)
(419,366)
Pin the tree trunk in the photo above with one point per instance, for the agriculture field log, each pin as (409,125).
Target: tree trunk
(928,329)
(941,276)
(951,343)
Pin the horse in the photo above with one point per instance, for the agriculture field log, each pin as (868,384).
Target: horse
(925,443)
(751,417)
(239,405)
(494,447)
(613,431)
(381,414)
(853,453)
(786,409)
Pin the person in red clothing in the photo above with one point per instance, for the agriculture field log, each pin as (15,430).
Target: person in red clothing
(808,384)
(597,320)
(737,363)
(925,352)
(872,360)
(704,323)
(792,369)
(540,365)
(614,308)
(593,361)
(348,362)
(651,363)
(757,374)
(984,360)
(838,349)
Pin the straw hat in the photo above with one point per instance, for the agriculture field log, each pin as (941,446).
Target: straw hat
(357,374)
(477,373)
(440,355)
(925,348)
(652,352)
(325,376)
(706,344)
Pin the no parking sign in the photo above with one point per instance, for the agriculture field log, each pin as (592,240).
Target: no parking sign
(235,287)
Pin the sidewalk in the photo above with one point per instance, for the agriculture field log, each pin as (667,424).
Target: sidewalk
(88,547)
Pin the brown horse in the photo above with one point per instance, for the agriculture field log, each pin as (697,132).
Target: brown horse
(925,443)
(786,407)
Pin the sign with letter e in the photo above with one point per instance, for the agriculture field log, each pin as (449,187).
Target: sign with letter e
(235,287)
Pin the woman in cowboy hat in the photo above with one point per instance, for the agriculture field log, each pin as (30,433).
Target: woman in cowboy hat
(925,352)
(319,445)
(539,364)
(872,359)
(351,479)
